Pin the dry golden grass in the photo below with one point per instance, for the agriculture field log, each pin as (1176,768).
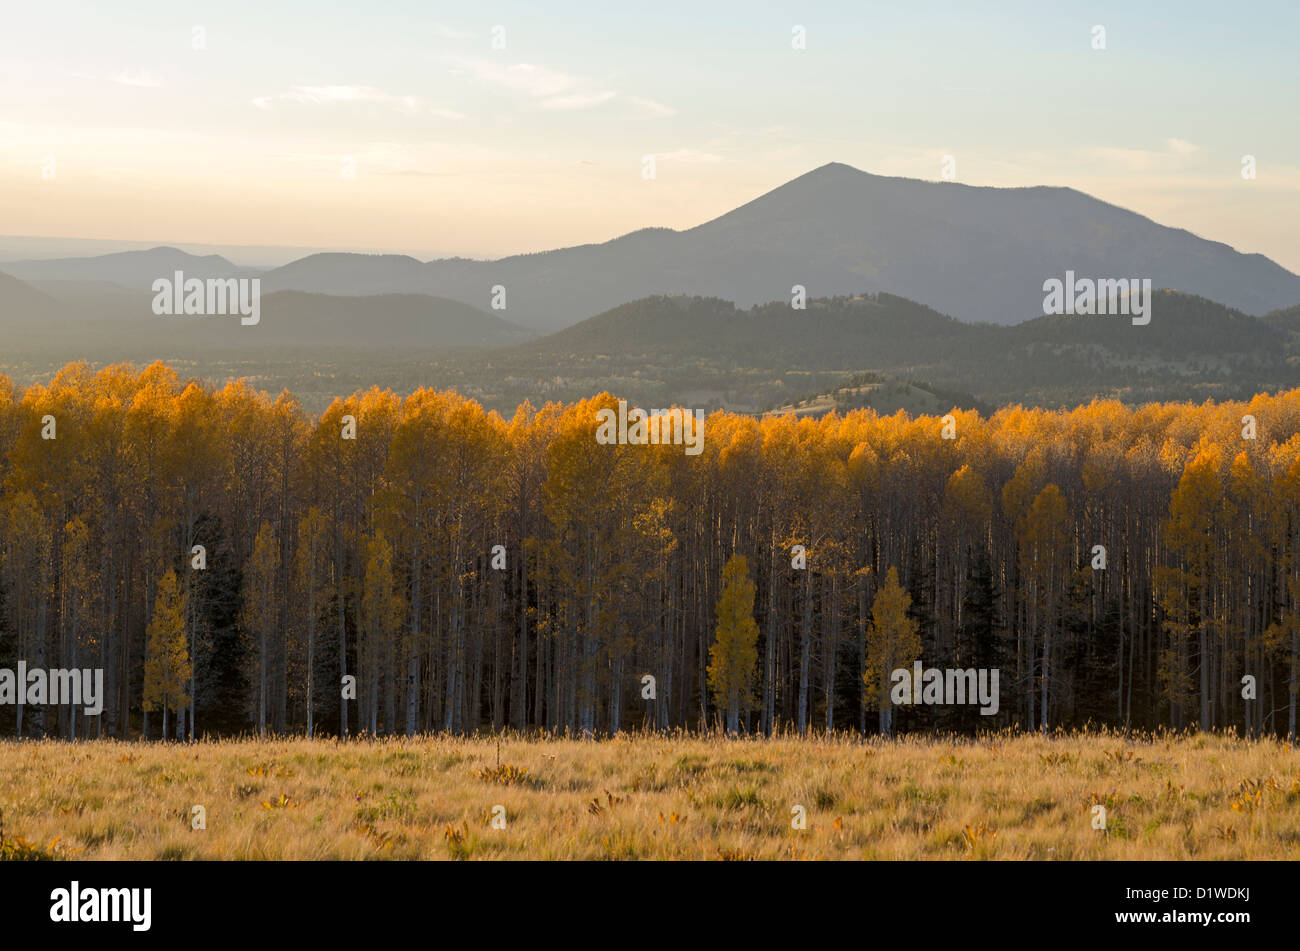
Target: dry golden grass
(1006,796)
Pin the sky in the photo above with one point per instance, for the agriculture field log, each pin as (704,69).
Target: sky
(486,129)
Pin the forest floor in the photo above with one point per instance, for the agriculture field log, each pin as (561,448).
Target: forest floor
(1007,796)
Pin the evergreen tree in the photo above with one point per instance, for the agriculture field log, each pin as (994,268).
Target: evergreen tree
(980,642)
(221,704)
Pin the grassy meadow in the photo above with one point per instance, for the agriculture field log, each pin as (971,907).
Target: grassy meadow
(1006,796)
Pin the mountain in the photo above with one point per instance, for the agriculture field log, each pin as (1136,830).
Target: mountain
(20,303)
(978,253)
(130,269)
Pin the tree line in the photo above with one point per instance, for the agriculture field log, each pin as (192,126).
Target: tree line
(410,564)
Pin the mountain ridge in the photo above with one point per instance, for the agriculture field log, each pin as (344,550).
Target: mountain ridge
(980,253)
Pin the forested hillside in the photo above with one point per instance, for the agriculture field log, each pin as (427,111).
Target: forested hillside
(664,347)
(324,557)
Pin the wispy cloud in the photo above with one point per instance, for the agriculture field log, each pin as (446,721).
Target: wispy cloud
(577,100)
(651,108)
(554,91)
(1146,160)
(140,80)
(535,81)
(321,95)
(331,95)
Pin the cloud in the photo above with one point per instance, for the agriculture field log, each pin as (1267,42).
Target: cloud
(330,95)
(1146,160)
(652,108)
(321,95)
(140,80)
(577,100)
(534,81)
(555,91)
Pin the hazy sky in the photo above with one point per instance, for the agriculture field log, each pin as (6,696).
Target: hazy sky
(463,148)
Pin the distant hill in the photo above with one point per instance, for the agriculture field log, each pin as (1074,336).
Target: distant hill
(700,351)
(886,328)
(977,253)
(839,332)
(390,321)
(20,303)
(134,270)
(354,274)
(90,318)
(1288,318)
(882,395)
(664,346)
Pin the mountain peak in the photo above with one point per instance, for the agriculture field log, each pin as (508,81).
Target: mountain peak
(838,168)
(833,172)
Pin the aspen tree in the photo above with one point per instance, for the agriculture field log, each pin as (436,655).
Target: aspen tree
(734,653)
(167,661)
(893,642)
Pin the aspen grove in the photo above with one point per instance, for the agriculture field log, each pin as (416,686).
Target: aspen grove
(409,565)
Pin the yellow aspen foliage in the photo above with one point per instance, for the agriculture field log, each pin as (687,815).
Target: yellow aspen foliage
(733,657)
(893,638)
(167,660)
